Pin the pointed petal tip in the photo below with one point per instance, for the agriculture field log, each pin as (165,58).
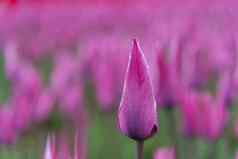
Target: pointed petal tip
(136,46)
(135,42)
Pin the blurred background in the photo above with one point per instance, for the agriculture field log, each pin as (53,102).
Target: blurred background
(62,66)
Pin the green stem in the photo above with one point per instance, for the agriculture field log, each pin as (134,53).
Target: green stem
(213,149)
(192,149)
(175,133)
(140,150)
(226,148)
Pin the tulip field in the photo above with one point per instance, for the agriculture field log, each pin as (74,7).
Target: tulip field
(126,79)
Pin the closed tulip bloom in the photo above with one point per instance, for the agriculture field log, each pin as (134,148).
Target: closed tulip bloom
(137,112)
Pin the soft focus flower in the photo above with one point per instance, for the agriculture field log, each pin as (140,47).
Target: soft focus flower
(189,114)
(214,116)
(22,111)
(226,91)
(8,132)
(218,118)
(66,86)
(80,143)
(65,73)
(43,106)
(106,64)
(26,89)
(50,150)
(227,87)
(137,112)
(72,103)
(12,60)
(166,81)
(58,147)
(165,153)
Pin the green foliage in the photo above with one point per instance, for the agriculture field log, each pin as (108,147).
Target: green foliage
(4,83)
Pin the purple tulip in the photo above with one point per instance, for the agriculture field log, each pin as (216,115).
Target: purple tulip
(22,112)
(166,82)
(8,133)
(227,88)
(189,114)
(66,85)
(137,112)
(72,102)
(65,73)
(44,106)
(12,60)
(27,88)
(226,91)
(217,121)
(215,116)
(106,64)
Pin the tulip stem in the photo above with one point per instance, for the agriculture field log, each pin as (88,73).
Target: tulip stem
(175,133)
(213,149)
(140,150)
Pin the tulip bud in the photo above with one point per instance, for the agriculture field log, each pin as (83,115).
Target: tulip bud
(137,112)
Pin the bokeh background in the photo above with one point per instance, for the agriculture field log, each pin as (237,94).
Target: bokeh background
(62,66)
